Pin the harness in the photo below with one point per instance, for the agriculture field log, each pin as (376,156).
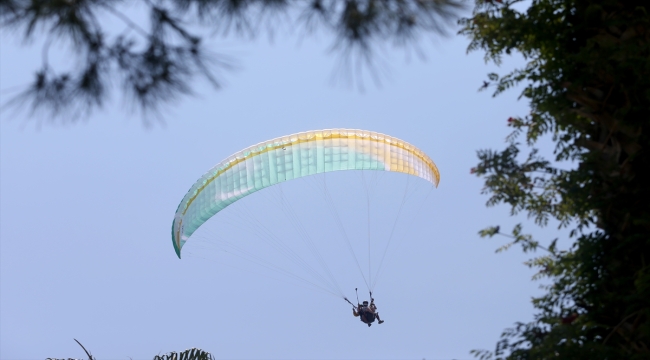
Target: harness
(366,315)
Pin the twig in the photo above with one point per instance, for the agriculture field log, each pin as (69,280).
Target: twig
(619,325)
(90,357)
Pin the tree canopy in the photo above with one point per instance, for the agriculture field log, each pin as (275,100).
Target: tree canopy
(156,63)
(587,78)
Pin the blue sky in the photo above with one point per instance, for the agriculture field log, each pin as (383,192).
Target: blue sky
(86,211)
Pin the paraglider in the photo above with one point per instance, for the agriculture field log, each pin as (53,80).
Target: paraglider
(367,313)
(291,157)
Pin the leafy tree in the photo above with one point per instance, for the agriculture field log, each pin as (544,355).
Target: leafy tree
(587,78)
(156,65)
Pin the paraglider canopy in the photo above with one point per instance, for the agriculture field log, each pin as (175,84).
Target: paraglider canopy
(291,157)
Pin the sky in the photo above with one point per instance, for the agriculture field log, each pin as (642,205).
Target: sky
(86,211)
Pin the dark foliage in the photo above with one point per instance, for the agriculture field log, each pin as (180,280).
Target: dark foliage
(157,64)
(189,354)
(588,83)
